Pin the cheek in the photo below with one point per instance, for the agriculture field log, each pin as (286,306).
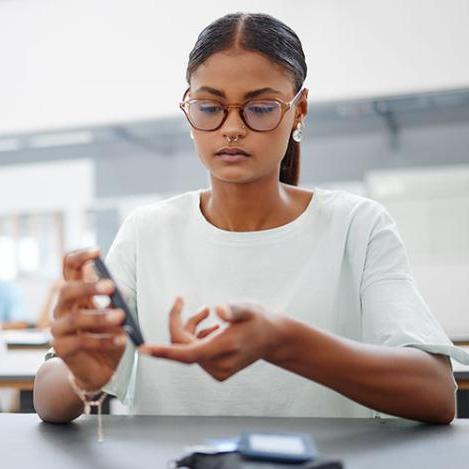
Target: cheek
(203,145)
(274,144)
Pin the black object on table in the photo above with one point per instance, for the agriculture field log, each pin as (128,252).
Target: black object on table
(236,461)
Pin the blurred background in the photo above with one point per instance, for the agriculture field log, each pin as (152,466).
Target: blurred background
(90,127)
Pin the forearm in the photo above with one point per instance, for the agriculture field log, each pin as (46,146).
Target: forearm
(400,381)
(54,399)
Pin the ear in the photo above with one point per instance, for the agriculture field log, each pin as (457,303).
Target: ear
(302,107)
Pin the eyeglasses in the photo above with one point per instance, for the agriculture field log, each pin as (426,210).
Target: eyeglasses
(260,115)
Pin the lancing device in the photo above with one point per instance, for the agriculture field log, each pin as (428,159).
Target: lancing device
(117,301)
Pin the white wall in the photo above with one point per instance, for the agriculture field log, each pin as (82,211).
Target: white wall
(67,187)
(46,187)
(81,62)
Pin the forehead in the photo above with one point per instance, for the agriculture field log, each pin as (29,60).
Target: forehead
(237,72)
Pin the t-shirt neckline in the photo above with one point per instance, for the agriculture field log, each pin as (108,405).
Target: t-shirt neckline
(248,237)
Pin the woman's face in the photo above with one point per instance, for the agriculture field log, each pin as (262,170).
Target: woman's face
(228,77)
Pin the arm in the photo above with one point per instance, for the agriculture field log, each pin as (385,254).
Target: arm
(402,381)
(89,341)
(54,399)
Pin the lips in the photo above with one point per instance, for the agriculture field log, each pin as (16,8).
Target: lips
(232,151)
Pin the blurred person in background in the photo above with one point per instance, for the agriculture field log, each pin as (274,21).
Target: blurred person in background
(13,312)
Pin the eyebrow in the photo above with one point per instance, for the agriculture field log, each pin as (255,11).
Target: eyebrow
(250,94)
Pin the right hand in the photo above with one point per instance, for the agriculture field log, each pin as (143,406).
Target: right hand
(90,340)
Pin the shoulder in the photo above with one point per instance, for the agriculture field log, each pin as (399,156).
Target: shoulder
(170,209)
(145,224)
(164,216)
(352,218)
(362,226)
(347,207)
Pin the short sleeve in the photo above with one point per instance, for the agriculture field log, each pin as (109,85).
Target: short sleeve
(393,311)
(121,261)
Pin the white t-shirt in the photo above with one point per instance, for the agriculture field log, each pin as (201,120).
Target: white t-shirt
(340,266)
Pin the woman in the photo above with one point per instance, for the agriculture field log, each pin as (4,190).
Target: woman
(315,283)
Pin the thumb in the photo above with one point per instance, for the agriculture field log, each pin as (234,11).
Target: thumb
(233,312)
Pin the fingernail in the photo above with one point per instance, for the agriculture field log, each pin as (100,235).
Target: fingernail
(120,340)
(104,286)
(228,311)
(114,316)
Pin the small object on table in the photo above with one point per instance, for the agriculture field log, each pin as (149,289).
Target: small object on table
(254,450)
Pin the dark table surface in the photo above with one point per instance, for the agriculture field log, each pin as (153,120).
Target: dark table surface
(152,441)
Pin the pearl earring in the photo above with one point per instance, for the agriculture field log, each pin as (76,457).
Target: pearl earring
(297,134)
(192,135)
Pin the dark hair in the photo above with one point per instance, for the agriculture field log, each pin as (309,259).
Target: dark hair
(266,35)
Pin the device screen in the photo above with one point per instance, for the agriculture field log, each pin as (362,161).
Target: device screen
(277,444)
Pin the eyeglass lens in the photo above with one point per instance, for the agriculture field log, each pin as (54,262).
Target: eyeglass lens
(258,115)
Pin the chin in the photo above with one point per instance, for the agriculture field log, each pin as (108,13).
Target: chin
(238,177)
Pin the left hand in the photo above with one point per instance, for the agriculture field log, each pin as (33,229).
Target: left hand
(250,335)
(186,333)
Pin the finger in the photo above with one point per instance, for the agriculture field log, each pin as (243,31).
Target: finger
(69,345)
(88,320)
(224,313)
(58,284)
(208,348)
(76,290)
(206,332)
(176,329)
(234,312)
(196,319)
(184,353)
(74,261)
(89,272)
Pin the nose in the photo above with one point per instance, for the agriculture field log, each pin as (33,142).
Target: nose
(234,125)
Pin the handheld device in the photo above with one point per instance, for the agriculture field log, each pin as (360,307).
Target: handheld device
(277,447)
(117,301)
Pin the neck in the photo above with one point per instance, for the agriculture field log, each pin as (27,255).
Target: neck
(260,205)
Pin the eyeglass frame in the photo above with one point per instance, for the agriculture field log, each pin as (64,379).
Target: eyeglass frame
(226,109)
